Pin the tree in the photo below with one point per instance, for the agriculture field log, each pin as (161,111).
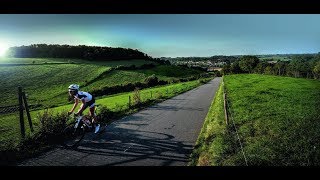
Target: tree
(260,67)
(248,63)
(235,68)
(226,69)
(300,65)
(151,80)
(269,70)
(316,70)
(280,67)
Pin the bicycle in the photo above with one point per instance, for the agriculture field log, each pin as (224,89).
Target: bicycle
(74,132)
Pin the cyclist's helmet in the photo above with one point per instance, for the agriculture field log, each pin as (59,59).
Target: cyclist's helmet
(74,88)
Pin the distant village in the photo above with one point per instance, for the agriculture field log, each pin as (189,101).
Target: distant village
(208,63)
(215,63)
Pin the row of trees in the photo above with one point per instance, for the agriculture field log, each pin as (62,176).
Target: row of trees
(78,52)
(306,66)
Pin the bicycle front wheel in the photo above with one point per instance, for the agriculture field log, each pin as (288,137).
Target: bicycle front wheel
(72,136)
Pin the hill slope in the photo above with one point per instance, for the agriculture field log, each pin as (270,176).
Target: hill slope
(46,79)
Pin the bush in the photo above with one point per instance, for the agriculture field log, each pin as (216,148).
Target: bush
(105,114)
(52,124)
(202,81)
(159,95)
(151,80)
(217,73)
(136,97)
(147,66)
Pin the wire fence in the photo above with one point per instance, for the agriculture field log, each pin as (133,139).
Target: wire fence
(12,121)
(9,109)
(230,116)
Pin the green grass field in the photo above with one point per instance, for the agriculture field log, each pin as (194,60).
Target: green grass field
(278,121)
(9,128)
(46,84)
(163,72)
(30,61)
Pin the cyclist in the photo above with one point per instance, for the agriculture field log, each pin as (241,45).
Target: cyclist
(87,101)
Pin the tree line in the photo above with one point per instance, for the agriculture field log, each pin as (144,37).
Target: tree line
(304,65)
(76,52)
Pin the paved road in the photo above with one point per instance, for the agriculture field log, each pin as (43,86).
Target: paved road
(161,135)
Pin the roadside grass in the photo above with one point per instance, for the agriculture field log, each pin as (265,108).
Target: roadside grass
(277,118)
(116,104)
(215,141)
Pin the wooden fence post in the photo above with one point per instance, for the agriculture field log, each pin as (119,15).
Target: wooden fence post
(23,133)
(225,103)
(129,102)
(27,110)
(225,108)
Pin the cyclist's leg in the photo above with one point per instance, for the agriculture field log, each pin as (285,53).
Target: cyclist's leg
(95,122)
(91,105)
(85,107)
(92,113)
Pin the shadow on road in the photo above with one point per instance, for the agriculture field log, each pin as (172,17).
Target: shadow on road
(174,108)
(131,147)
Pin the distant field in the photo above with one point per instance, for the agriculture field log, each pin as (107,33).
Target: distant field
(167,72)
(30,61)
(276,58)
(163,72)
(278,120)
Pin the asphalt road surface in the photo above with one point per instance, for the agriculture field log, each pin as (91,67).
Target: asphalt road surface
(161,135)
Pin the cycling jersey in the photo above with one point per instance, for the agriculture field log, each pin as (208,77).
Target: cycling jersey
(88,98)
(83,95)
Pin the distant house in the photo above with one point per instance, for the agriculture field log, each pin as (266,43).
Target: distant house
(210,69)
(272,62)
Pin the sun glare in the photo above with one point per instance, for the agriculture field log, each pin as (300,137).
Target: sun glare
(3,49)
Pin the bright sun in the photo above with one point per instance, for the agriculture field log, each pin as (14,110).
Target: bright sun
(3,49)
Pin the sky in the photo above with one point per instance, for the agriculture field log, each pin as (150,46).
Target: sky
(169,35)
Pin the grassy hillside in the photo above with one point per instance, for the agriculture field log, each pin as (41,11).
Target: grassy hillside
(163,72)
(278,121)
(46,84)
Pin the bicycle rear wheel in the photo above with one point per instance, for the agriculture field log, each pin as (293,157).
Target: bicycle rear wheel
(72,136)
